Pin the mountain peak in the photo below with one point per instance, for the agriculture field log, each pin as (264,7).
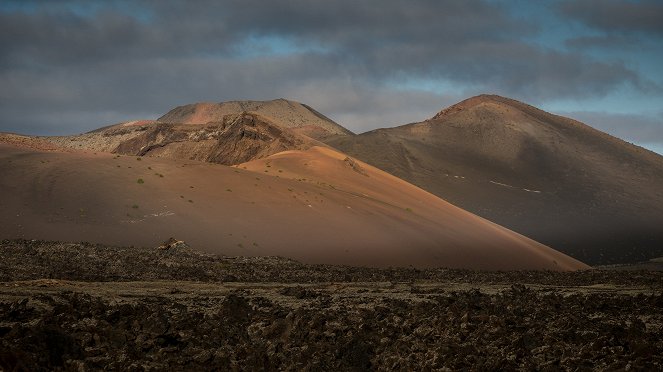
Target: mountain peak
(474,101)
(283,112)
(541,174)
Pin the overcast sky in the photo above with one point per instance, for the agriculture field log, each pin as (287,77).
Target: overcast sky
(71,66)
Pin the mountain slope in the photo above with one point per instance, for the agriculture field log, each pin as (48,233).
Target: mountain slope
(551,178)
(226,133)
(315,205)
(235,139)
(284,113)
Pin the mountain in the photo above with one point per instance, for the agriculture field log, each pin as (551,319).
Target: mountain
(551,178)
(284,113)
(316,205)
(225,133)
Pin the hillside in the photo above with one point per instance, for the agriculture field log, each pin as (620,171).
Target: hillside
(284,113)
(554,179)
(225,133)
(235,139)
(315,205)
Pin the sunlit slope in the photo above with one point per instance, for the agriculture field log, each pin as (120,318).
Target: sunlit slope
(321,208)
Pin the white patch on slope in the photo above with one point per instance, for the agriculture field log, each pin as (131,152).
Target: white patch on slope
(513,187)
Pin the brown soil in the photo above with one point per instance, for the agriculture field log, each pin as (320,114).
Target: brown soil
(309,205)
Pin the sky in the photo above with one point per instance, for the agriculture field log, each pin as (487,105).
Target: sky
(69,66)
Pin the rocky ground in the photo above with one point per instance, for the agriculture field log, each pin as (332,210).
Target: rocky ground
(78,306)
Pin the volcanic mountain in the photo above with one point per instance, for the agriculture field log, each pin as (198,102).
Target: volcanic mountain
(315,205)
(554,179)
(225,133)
(284,113)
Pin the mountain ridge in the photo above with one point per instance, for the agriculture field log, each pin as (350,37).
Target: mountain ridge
(286,113)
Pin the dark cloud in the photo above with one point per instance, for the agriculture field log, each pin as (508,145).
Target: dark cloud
(126,59)
(49,103)
(628,42)
(644,16)
(387,107)
(180,28)
(53,39)
(631,127)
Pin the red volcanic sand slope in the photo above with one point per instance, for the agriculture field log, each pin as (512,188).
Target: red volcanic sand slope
(316,206)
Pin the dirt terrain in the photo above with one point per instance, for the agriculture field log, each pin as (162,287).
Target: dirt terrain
(317,206)
(79,306)
(585,193)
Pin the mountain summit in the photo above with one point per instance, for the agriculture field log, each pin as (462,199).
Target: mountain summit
(283,112)
(226,133)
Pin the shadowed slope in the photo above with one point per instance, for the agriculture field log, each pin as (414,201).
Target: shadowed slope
(554,179)
(433,229)
(317,206)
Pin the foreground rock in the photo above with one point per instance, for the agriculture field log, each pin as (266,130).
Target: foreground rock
(145,309)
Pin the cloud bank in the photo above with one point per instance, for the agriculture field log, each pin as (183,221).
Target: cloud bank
(71,66)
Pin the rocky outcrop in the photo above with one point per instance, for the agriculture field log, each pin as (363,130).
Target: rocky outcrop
(282,112)
(236,139)
(173,244)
